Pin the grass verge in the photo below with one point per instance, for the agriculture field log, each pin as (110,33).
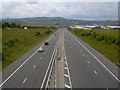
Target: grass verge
(108,50)
(16,42)
(0,48)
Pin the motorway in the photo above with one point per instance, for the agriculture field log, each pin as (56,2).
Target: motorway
(31,74)
(86,68)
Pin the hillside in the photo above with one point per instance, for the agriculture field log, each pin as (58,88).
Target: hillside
(57,20)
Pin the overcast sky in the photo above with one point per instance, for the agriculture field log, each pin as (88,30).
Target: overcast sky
(72,10)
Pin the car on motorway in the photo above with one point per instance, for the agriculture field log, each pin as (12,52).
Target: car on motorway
(46,43)
(40,50)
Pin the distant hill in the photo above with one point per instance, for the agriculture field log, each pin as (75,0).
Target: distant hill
(57,21)
(34,19)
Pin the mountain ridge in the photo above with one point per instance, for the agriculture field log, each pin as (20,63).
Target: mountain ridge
(60,21)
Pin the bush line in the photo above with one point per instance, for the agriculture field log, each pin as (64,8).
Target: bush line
(108,39)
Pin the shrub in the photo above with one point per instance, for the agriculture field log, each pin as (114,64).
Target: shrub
(3,57)
(86,34)
(99,37)
(49,31)
(10,25)
(4,47)
(37,33)
(10,42)
(117,41)
(94,34)
(109,39)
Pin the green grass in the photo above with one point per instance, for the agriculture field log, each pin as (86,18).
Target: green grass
(0,48)
(17,42)
(0,40)
(38,23)
(110,51)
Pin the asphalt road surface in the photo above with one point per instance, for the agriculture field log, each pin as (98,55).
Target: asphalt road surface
(87,68)
(30,69)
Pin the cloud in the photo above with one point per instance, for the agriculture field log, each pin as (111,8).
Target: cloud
(60,1)
(72,10)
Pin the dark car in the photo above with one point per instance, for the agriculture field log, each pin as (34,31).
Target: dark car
(46,43)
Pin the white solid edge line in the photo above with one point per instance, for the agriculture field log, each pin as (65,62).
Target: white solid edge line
(17,69)
(48,66)
(50,38)
(97,60)
(24,80)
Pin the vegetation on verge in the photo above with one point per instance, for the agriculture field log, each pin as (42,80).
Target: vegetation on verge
(10,25)
(18,41)
(104,41)
(0,48)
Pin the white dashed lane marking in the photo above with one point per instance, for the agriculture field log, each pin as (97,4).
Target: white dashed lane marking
(67,86)
(24,80)
(21,65)
(106,88)
(96,58)
(88,62)
(65,62)
(66,68)
(34,66)
(40,58)
(66,75)
(95,72)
